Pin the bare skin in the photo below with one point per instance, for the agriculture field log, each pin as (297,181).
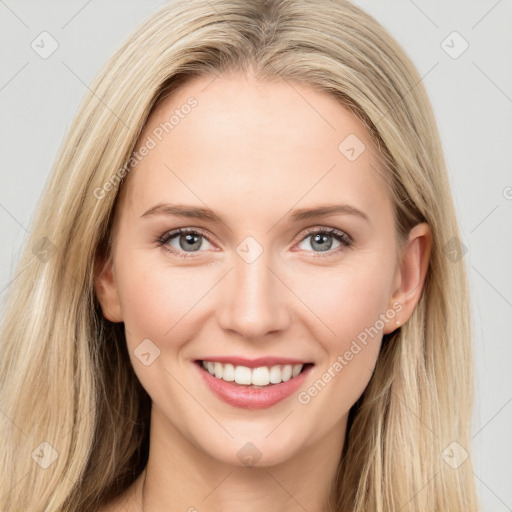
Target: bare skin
(254,153)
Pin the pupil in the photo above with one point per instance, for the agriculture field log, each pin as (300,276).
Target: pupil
(191,242)
(320,238)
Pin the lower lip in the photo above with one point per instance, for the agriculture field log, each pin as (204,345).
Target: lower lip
(252,398)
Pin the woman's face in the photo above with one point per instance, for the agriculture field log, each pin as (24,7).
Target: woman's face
(250,171)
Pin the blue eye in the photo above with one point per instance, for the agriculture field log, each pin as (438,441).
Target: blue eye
(188,241)
(183,242)
(322,240)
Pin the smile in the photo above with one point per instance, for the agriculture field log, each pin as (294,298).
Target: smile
(252,385)
(261,376)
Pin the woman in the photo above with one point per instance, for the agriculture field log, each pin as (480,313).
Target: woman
(236,292)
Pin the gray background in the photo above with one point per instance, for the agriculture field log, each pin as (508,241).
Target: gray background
(472,98)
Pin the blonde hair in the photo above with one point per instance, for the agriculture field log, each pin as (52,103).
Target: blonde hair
(66,377)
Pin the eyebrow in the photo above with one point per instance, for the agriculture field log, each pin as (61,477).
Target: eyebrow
(181,210)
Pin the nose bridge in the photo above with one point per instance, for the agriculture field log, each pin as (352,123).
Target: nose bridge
(255,303)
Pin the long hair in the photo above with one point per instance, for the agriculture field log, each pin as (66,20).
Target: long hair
(74,417)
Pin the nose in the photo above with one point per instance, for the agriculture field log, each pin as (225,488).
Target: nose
(255,302)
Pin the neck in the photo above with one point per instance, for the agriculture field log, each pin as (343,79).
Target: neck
(181,477)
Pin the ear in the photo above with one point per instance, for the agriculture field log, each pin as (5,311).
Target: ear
(106,289)
(410,276)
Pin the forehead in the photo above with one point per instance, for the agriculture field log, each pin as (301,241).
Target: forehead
(230,141)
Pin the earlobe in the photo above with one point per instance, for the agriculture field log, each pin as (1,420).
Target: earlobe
(106,289)
(412,273)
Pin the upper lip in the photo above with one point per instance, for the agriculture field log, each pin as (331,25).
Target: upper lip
(254,363)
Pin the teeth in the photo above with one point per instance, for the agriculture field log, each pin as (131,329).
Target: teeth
(229,373)
(286,374)
(217,368)
(262,376)
(275,374)
(242,375)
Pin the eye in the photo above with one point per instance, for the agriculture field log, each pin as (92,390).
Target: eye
(323,239)
(184,240)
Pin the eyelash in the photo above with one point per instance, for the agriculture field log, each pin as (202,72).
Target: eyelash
(343,238)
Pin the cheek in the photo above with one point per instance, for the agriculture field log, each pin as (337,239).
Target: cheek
(145,305)
(153,298)
(351,310)
(158,304)
(349,302)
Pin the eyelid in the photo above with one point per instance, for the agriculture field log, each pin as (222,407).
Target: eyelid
(165,237)
(344,238)
(328,230)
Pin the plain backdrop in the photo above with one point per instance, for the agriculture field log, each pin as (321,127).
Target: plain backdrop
(468,76)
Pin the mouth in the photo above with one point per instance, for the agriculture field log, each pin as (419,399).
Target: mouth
(253,385)
(255,377)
